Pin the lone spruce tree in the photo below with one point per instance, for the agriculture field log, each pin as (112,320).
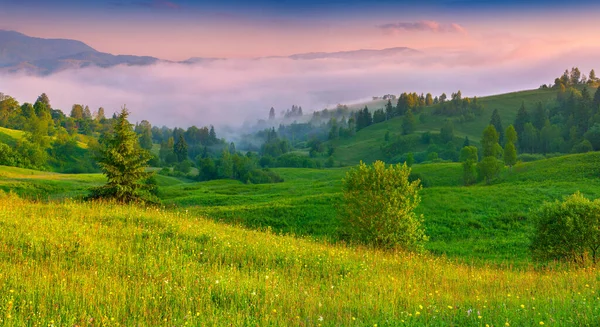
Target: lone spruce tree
(123,162)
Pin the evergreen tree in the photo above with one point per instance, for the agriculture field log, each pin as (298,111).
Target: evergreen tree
(539,116)
(592,78)
(496,121)
(181,149)
(575,76)
(124,163)
(87,114)
(389,109)
(466,142)
(272,114)
(582,112)
(596,101)
(408,123)
(212,135)
(100,116)
(521,119)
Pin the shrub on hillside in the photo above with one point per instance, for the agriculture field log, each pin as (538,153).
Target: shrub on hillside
(380,203)
(568,230)
(528,157)
(263,176)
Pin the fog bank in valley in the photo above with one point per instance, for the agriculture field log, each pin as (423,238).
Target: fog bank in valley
(230,92)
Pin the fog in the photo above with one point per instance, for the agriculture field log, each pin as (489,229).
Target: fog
(231,92)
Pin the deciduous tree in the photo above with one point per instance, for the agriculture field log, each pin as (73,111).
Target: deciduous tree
(380,203)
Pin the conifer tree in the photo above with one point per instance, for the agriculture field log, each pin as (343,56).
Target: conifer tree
(272,113)
(389,109)
(123,162)
(496,121)
(408,123)
(521,120)
(181,149)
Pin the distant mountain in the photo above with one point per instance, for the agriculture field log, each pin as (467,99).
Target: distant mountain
(89,59)
(16,48)
(355,54)
(200,60)
(19,52)
(22,53)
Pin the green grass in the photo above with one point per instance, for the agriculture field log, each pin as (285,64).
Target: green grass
(91,264)
(42,185)
(10,136)
(482,223)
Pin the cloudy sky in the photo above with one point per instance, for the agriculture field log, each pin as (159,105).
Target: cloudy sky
(480,47)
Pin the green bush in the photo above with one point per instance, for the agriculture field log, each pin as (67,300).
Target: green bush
(263,176)
(380,203)
(528,157)
(568,230)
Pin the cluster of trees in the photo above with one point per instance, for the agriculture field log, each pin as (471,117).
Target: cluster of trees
(51,140)
(296,111)
(234,165)
(571,124)
(465,108)
(574,78)
(179,145)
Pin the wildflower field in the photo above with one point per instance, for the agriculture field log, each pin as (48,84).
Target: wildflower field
(94,264)
(223,253)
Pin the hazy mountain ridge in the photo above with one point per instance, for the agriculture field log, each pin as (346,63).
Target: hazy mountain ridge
(16,48)
(38,56)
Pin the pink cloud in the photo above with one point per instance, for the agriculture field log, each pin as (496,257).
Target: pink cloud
(422,26)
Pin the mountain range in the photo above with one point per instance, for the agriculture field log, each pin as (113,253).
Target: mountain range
(39,56)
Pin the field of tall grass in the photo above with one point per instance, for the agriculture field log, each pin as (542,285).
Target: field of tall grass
(482,224)
(99,264)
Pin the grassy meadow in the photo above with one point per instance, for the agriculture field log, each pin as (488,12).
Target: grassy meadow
(97,264)
(480,224)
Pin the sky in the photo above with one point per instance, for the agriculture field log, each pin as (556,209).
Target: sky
(480,47)
(179,29)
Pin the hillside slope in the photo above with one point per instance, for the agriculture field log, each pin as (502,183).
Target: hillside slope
(366,144)
(93,263)
(483,223)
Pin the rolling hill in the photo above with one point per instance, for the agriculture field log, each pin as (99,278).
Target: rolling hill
(127,265)
(485,223)
(366,144)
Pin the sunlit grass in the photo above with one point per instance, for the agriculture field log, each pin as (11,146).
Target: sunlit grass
(103,264)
